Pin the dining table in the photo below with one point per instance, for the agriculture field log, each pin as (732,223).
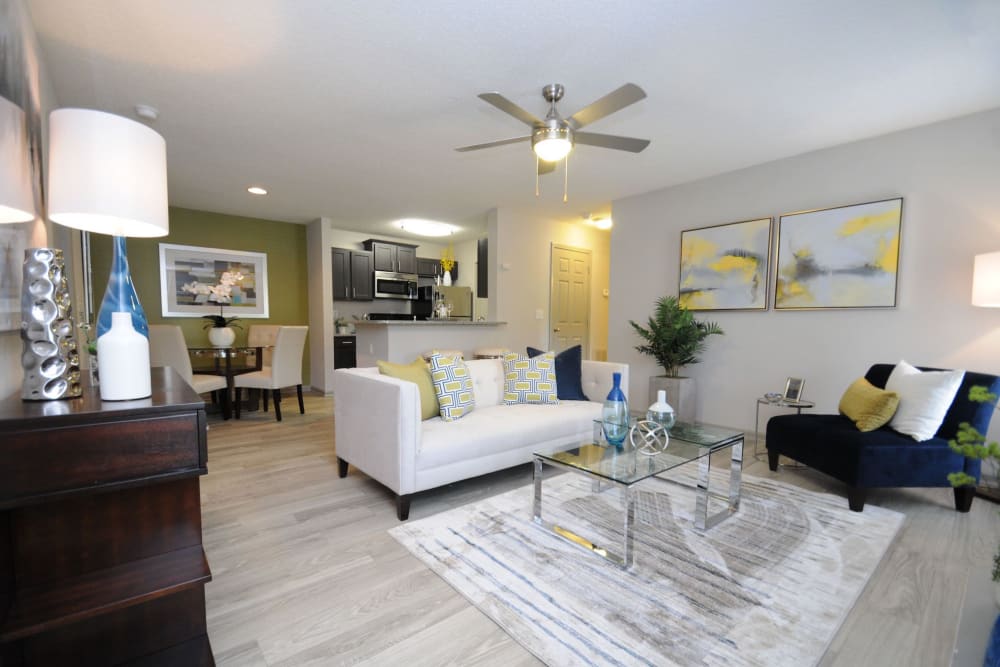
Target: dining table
(227,362)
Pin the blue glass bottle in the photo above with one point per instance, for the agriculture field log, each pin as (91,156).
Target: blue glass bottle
(120,296)
(615,414)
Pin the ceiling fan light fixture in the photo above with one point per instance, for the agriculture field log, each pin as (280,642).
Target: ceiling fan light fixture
(552,144)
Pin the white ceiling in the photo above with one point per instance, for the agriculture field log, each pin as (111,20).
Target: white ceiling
(350,109)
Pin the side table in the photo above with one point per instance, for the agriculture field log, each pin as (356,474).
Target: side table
(799,406)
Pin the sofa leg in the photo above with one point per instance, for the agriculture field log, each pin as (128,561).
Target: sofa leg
(856,498)
(403,507)
(772,459)
(963,498)
(341,468)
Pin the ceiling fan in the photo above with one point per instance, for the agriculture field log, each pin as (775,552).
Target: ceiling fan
(554,137)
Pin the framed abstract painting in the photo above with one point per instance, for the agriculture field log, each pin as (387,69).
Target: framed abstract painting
(198,281)
(843,257)
(725,267)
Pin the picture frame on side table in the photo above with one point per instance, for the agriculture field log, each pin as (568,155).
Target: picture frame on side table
(725,267)
(182,266)
(841,257)
(793,390)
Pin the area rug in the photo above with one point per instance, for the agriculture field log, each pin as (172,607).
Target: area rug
(768,586)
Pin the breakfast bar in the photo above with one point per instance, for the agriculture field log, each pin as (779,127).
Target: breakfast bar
(401,341)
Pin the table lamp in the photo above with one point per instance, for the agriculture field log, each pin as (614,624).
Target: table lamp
(986,280)
(108,175)
(17,203)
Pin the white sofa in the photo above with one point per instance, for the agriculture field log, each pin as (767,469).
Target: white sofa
(379,431)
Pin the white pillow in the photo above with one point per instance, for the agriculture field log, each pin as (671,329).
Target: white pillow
(924,399)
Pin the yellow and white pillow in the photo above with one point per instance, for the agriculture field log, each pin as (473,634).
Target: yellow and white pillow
(453,386)
(529,380)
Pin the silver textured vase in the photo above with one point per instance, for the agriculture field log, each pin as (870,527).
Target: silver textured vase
(49,356)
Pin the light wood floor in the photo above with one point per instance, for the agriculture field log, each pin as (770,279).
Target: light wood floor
(305,573)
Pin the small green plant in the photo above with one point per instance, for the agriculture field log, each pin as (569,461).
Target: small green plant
(971,443)
(996,566)
(672,336)
(218,322)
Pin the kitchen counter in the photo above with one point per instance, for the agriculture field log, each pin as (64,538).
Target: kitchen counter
(402,341)
(420,323)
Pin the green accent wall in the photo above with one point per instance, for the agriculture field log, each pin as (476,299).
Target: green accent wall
(284,243)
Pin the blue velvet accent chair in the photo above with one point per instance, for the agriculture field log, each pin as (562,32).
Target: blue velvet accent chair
(883,458)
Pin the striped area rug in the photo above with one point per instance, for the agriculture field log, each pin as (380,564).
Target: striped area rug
(768,586)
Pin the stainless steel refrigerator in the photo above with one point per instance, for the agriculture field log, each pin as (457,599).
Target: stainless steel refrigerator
(460,299)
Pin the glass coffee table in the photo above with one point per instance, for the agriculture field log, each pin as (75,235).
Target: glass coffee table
(609,467)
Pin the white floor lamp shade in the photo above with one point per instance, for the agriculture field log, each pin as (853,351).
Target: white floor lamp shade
(986,280)
(108,174)
(17,203)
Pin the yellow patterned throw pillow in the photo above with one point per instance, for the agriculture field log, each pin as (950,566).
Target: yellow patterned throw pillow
(868,406)
(453,386)
(529,380)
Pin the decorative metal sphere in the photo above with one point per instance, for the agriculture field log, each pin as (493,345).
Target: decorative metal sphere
(649,438)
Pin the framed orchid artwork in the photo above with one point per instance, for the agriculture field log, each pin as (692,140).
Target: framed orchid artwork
(211,281)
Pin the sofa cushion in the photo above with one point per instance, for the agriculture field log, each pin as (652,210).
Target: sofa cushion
(501,428)
(529,379)
(868,406)
(568,372)
(924,399)
(419,374)
(453,386)
(487,381)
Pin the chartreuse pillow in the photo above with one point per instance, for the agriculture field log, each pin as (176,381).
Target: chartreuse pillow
(868,406)
(452,385)
(417,373)
(529,379)
(569,372)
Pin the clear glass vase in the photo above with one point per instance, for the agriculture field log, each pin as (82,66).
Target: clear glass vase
(614,415)
(120,295)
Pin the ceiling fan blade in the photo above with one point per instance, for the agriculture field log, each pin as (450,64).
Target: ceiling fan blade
(607,105)
(545,167)
(491,144)
(505,105)
(611,141)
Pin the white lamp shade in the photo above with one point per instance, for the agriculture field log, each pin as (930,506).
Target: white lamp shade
(17,203)
(986,280)
(107,174)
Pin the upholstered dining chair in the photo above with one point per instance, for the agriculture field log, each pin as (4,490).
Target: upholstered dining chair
(263,335)
(167,348)
(285,370)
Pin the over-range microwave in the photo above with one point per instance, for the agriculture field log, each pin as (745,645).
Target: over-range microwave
(389,285)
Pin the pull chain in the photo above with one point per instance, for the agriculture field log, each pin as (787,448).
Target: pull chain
(536,175)
(566,179)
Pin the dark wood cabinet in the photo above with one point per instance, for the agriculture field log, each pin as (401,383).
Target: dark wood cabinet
(428,267)
(352,275)
(345,354)
(482,269)
(101,559)
(394,257)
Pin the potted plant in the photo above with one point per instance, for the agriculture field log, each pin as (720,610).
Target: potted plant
(970,443)
(675,339)
(342,325)
(220,328)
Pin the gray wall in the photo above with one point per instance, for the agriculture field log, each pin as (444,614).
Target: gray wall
(949,176)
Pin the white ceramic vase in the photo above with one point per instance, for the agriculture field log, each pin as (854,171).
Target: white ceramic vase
(221,336)
(123,361)
(446,279)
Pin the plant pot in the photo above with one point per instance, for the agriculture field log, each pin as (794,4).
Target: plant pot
(681,395)
(343,331)
(221,336)
(446,278)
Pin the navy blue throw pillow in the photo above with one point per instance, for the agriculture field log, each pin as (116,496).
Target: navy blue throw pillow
(569,386)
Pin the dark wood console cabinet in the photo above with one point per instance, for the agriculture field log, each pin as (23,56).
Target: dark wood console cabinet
(101,560)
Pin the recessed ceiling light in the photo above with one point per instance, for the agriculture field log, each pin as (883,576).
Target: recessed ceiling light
(422,227)
(256,190)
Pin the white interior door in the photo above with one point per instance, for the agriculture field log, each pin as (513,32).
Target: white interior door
(569,301)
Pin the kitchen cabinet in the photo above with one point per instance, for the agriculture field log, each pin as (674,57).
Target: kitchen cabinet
(345,352)
(352,275)
(395,257)
(101,558)
(428,267)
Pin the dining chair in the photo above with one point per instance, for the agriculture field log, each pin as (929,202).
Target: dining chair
(168,348)
(263,335)
(285,370)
